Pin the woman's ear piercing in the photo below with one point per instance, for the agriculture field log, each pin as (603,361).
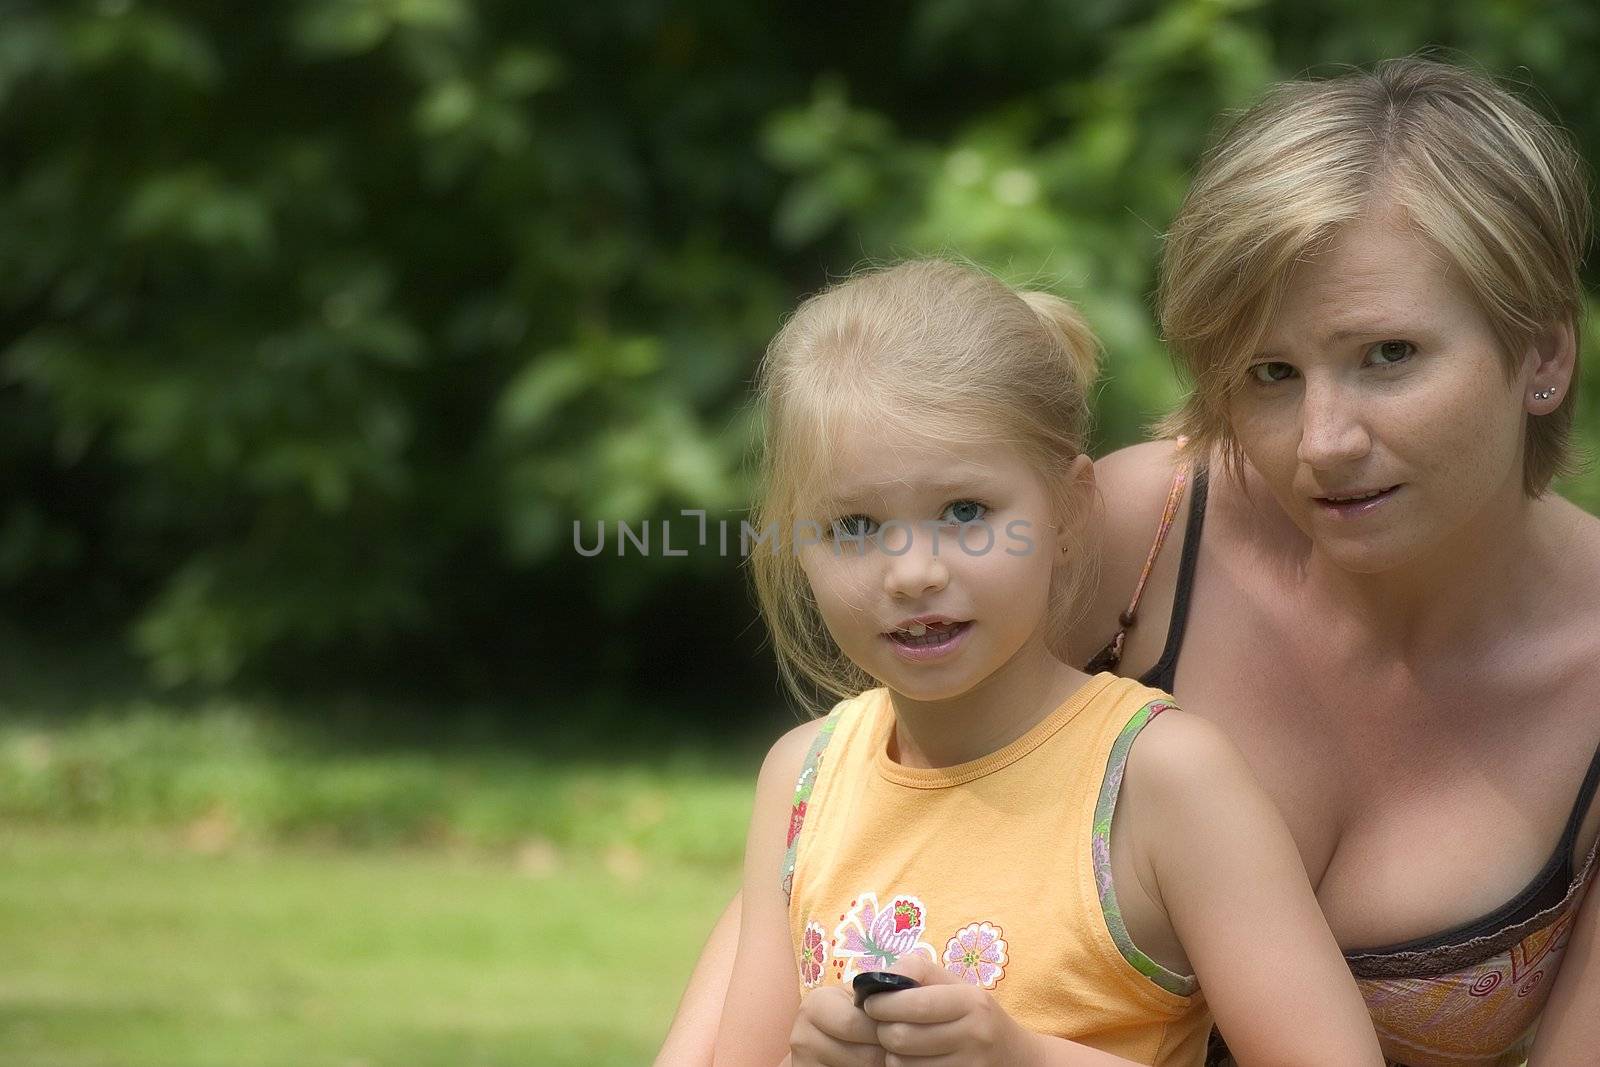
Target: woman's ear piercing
(1544,394)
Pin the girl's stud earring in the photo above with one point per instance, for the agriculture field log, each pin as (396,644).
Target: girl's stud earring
(1544,394)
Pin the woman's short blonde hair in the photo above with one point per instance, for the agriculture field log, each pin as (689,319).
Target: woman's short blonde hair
(1501,191)
(930,349)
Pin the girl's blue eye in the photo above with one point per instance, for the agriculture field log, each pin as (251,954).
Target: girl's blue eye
(1388,353)
(965,511)
(852,526)
(1267,373)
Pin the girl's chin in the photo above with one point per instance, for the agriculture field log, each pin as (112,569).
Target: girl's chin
(928,690)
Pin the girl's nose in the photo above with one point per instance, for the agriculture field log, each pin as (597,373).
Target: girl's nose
(913,567)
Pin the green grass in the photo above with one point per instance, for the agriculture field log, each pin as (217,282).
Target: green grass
(203,887)
(133,951)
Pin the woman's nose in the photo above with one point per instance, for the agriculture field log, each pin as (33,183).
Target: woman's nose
(1333,427)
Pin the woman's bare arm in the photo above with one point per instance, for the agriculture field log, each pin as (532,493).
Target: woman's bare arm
(693,1035)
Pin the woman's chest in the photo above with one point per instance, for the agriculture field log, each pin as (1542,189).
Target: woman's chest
(1421,799)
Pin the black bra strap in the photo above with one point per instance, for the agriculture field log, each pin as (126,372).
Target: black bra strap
(1569,837)
(1165,671)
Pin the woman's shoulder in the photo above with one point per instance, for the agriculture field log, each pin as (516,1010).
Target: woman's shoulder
(1134,482)
(1568,552)
(1132,487)
(1575,527)
(1568,565)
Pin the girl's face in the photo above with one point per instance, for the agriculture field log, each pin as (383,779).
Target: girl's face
(953,540)
(1378,410)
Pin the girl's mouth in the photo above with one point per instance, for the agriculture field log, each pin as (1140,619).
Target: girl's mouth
(935,640)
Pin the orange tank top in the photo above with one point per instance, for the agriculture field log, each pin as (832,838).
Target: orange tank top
(997,870)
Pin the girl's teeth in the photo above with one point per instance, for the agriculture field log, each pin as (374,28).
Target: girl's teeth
(931,636)
(917,629)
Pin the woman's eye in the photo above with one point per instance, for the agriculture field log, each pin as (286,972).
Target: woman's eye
(1267,373)
(852,526)
(1388,353)
(965,511)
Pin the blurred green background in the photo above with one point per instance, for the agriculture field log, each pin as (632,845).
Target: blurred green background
(321,323)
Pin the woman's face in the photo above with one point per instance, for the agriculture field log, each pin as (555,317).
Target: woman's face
(1378,409)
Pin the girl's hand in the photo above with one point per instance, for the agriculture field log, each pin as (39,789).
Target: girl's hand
(831,1031)
(946,1022)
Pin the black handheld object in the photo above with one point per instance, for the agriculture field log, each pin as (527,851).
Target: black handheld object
(870,982)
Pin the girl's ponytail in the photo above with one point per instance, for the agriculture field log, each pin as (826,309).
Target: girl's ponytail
(1080,348)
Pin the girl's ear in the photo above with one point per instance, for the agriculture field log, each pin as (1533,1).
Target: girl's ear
(1078,503)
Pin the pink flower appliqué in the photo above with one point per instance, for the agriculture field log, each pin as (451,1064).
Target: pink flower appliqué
(870,938)
(813,954)
(977,955)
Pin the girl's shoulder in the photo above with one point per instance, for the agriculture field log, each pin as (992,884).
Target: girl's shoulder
(1172,764)
(1182,777)
(789,754)
(1176,753)
(1172,767)
(789,751)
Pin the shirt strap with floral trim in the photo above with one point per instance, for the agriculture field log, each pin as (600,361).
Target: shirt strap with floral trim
(802,794)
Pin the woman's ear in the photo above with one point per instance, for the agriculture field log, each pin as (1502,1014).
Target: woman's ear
(1547,368)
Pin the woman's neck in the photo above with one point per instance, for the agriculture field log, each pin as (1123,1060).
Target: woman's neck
(986,718)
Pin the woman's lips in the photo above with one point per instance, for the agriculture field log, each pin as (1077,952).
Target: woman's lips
(1355,505)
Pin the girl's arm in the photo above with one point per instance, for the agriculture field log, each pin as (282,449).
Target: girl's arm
(763,989)
(1569,1029)
(1226,873)
(693,1035)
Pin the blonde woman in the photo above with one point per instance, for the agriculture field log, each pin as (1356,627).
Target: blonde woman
(1368,586)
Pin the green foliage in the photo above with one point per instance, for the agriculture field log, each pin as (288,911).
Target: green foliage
(324,320)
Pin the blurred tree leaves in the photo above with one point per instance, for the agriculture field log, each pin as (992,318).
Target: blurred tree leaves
(322,321)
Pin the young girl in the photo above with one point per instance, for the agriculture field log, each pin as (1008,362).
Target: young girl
(1063,861)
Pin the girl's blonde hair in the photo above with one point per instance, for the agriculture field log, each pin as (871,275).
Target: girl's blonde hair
(931,348)
(1500,190)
